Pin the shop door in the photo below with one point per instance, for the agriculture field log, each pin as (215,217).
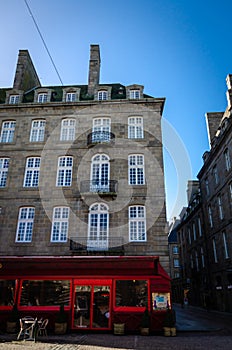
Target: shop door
(92,303)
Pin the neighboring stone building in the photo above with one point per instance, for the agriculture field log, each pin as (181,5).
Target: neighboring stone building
(81,184)
(206,259)
(175,267)
(193,251)
(215,179)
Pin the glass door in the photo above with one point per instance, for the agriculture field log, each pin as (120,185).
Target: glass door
(82,306)
(92,303)
(101,306)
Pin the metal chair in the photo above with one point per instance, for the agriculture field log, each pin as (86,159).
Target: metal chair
(43,327)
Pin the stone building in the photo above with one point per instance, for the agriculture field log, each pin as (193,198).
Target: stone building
(81,184)
(193,281)
(205,231)
(215,179)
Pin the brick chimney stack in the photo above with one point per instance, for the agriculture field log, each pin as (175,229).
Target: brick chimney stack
(94,69)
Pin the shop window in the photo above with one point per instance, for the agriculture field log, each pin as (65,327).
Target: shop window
(45,293)
(131,293)
(7,292)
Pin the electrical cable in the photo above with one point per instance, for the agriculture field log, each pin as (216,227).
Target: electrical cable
(44,43)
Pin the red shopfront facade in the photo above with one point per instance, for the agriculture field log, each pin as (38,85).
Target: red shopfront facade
(96,291)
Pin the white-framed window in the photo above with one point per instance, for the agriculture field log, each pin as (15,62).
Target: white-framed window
(25,224)
(210,216)
(4,165)
(8,130)
(37,130)
(202,257)
(100,173)
(101,130)
(68,127)
(134,94)
(14,99)
(31,177)
(137,223)
(42,97)
(71,97)
(214,250)
(60,220)
(199,226)
(227,159)
(194,232)
(64,171)
(220,208)
(225,243)
(175,249)
(102,95)
(215,175)
(136,169)
(135,128)
(207,186)
(176,262)
(98,228)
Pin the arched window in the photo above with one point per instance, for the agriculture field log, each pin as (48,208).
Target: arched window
(98,227)
(100,171)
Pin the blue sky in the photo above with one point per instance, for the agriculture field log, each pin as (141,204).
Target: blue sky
(177,49)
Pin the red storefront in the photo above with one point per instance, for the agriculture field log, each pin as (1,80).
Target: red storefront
(96,291)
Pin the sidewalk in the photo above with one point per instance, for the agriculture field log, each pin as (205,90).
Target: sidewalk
(196,319)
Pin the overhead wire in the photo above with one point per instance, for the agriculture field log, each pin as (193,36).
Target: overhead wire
(44,43)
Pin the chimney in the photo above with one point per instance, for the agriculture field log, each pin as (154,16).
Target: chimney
(26,77)
(94,68)
(192,188)
(212,122)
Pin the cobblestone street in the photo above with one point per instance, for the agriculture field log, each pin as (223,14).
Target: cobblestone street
(128,342)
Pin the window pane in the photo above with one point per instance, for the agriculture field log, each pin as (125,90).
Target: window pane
(131,293)
(45,293)
(7,292)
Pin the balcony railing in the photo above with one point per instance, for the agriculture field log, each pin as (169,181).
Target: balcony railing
(99,186)
(100,137)
(87,246)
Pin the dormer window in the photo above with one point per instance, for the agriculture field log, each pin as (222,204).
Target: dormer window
(42,98)
(70,97)
(102,95)
(14,99)
(134,94)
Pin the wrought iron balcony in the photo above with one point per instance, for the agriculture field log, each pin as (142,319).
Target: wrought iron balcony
(87,246)
(107,187)
(100,137)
